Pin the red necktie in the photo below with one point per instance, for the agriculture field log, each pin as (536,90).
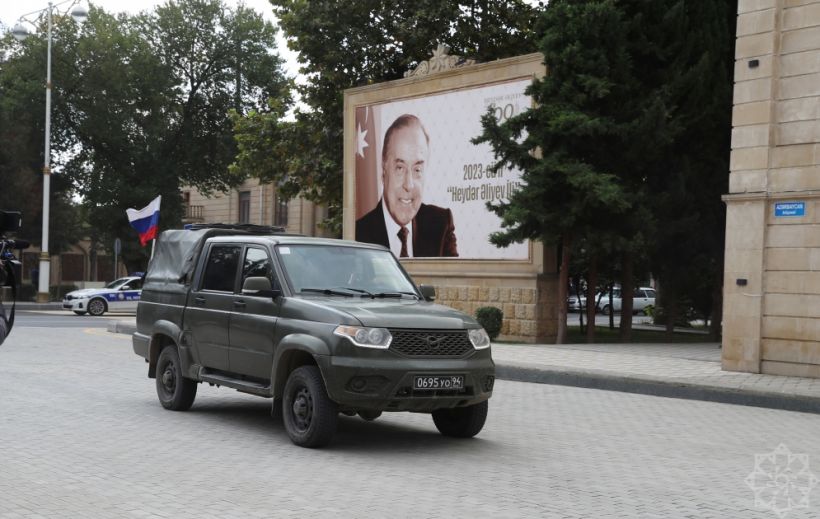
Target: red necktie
(403,237)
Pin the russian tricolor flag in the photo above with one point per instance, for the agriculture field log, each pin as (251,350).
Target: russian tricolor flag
(146,220)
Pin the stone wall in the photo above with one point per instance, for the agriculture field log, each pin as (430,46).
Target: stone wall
(528,304)
(772,272)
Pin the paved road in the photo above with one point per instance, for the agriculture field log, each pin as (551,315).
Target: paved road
(81,435)
(64,319)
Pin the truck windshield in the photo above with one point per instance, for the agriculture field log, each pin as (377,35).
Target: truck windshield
(311,268)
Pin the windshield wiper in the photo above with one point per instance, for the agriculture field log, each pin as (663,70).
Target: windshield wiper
(328,291)
(367,293)
(395,294)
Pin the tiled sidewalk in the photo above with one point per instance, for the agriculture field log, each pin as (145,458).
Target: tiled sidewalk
(674,370)
(688,370)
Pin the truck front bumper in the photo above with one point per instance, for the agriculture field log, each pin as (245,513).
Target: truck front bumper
(386,384)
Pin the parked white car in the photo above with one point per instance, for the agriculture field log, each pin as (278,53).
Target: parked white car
(121,295)
(641,298)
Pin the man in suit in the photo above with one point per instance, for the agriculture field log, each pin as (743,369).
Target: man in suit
(400,221)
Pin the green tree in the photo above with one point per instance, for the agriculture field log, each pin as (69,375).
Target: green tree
(22,120)
(145,107)
(688,245)
(348,43)
(589,112)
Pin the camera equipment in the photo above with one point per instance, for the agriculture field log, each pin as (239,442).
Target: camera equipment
(10,268)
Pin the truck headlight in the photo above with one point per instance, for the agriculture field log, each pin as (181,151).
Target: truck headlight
(365,337)
(479,338)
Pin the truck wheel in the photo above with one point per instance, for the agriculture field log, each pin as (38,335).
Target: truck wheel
(96,307)
(175,392)
(310,415)
(461,422)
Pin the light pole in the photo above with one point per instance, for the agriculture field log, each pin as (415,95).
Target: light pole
(80,13)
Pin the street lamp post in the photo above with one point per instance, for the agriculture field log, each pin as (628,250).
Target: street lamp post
(80,13)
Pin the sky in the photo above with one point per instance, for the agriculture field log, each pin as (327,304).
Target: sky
(11,10)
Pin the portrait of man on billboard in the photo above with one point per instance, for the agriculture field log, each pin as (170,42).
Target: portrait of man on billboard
(400,220)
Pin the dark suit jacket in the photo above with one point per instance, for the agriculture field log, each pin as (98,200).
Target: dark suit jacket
(433,231)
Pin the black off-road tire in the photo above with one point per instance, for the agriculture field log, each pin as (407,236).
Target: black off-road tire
(175,392)
(309,414)
(461,422)
(97,307)
(78,313)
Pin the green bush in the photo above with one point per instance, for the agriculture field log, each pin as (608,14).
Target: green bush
(683,319)
(490,318)
(27,292)
(56,293)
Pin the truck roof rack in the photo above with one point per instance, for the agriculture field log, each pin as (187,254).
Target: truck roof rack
(245,227)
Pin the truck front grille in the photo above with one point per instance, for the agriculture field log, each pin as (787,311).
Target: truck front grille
(430,343)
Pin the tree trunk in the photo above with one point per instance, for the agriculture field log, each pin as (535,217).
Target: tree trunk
(627,291)
(670,308)
(611,306)
(563,283)
(576,284)
(592,282)
(716,317)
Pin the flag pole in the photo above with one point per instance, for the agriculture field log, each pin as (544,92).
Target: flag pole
(153,243)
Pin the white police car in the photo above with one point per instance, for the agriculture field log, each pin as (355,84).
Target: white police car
(120,295)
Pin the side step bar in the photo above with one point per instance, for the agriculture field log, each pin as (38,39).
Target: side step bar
(244,386)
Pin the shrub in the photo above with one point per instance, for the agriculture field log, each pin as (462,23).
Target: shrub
(490,318)
(56,293)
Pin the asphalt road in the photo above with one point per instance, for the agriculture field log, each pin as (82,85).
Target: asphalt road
(82,435)
(64,319)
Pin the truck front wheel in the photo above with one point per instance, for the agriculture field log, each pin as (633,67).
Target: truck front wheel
(461,422)
(175,392)
(309,414)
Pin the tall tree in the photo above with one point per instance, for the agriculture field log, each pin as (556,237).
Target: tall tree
(348,43)
(688,245)
(145,106)
(588,112)
(22,130)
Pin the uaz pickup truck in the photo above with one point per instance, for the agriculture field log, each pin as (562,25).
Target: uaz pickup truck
(321,326)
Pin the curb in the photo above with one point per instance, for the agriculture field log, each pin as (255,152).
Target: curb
(595,380)
(560,376)
(124,327)
(39,306)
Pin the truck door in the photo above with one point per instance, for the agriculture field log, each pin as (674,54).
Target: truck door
(208,314)
(254,320)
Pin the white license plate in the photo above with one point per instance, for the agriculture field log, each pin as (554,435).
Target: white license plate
(434,382)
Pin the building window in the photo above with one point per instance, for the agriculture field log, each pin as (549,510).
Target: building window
(245,207)
(281,212)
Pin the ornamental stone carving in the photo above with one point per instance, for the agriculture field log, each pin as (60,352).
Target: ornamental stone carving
(440,62)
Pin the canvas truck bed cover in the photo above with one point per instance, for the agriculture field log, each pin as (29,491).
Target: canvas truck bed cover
(175,258)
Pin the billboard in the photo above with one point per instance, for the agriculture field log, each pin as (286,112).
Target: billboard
(422,186)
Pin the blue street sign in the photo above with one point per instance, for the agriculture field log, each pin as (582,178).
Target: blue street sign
(790,209)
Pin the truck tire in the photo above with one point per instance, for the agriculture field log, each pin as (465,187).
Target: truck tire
(175,392)
(461,422)
(309,414)
(97,307)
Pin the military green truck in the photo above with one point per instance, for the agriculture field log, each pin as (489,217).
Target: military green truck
(321,326)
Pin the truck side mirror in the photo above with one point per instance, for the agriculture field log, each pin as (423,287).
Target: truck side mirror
(428,292)
(259,286)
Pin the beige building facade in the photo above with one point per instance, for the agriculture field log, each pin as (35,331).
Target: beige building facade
(772,271)
(255,203)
